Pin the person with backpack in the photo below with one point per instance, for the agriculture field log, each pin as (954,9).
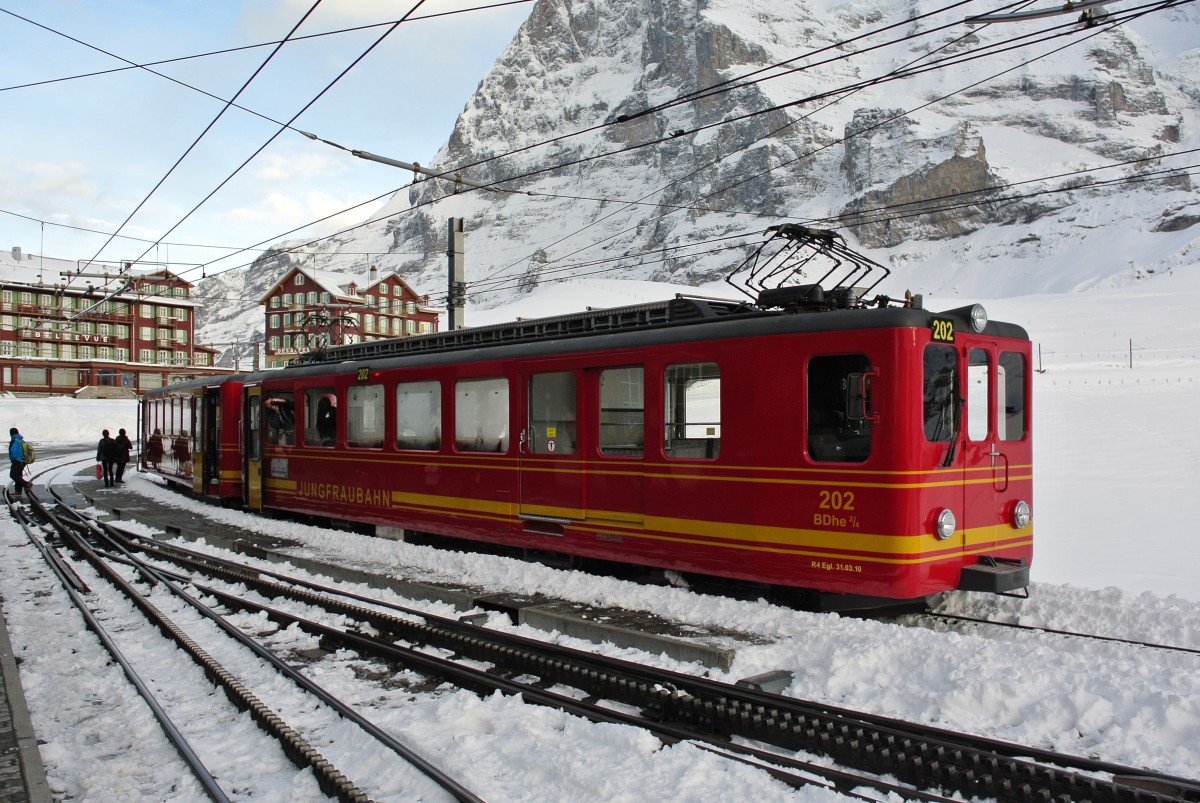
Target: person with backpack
(106,455)
(124,446)
(17,455)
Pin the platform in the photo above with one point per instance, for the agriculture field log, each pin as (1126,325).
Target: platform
(22,776)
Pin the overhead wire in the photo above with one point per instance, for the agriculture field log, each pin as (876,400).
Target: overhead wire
(728,154)
(647,144)
(496,184)
(203,133)
(709,90)
(294,117)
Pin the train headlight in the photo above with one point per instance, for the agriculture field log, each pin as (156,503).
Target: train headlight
(945,524)
(978,318)
(1021,515)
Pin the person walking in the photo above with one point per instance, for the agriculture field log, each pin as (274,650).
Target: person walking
(106,454)
(16,454)
(124,445)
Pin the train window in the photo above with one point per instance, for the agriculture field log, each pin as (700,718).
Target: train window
(481,415)
(320,417)
(692,410)
(419,416)
(364,416)
(280,410)
(1010,390)
(978,374)
(837,429)
(941,367)
(622,411)
(551,425)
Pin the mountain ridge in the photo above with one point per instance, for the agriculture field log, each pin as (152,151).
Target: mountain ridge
(875,164)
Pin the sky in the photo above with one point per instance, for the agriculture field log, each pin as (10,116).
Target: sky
(87,150)
(1116,454)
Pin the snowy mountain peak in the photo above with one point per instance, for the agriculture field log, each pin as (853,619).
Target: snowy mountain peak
(626,138)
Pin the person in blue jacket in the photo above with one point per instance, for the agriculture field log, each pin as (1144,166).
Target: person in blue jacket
(16,453)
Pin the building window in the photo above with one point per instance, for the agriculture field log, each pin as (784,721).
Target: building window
(287,299)
(145,355)
(31,376)
(274,302)
(146,310)
(274,342)
(383,289)
(181,314)
(312,298)
(298,279)
(273,321)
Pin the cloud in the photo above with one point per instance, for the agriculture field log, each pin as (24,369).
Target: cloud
(299,165)
(50,181)
(285,211)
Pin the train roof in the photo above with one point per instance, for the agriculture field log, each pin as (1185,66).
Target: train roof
(681,319)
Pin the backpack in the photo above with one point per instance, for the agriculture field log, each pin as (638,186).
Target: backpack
(28,453)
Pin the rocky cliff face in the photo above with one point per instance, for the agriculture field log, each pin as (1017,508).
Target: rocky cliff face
(964,165)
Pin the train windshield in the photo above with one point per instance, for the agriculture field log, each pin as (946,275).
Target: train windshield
(941,366)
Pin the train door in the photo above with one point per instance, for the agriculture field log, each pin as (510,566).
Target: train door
(252,439)
(550,454)
(207,473)
(615,481)
(995,449)
(190,449)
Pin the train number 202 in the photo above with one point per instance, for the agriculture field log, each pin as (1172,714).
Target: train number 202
(837,500)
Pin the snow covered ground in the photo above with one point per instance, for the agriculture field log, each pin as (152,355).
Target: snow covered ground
(1116,458)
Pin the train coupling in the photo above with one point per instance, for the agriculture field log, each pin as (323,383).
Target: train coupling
(995,576)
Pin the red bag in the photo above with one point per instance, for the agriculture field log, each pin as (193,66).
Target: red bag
(98,474)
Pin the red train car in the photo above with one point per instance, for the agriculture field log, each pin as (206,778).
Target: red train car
(191,436)
(812,440)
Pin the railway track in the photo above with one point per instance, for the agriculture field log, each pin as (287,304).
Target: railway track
(775,733)
(957,619)
(89,542)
